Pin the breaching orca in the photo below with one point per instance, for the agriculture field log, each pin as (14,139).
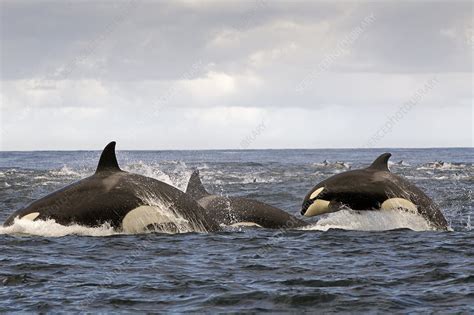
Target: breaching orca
(372,188)
(128,202)
(240,211)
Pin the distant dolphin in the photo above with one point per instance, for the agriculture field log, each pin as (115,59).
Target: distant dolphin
(128,202)
(240,211)
(372,188)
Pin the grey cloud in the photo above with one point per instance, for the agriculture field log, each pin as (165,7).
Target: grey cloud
(133,61)
(154,40)
(133,40)
(411,37)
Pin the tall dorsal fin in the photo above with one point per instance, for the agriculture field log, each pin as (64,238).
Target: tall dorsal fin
(108,160)
(195,187)
(381,163)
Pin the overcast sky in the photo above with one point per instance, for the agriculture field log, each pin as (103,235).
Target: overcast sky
(236,74)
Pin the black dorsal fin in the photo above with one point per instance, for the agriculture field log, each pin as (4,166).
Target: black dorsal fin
(108,160)
(381,163)
(195,187)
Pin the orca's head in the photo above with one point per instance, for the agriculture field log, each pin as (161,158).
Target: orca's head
(317,202)
(333,194)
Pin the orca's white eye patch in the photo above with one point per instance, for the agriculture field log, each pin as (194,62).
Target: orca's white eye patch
(316,193)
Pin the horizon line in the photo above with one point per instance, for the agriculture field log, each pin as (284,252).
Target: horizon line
(240,149)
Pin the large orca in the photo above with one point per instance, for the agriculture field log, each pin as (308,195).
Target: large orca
(240,211)
(128,202)
(371,188)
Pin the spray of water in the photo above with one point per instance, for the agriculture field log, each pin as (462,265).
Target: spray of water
(175,222)
(50,228)
(371,221)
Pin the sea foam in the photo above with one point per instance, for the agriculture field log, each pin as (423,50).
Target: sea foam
(371,221)
(50,228)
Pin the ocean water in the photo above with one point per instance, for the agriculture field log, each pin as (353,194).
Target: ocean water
(343,262)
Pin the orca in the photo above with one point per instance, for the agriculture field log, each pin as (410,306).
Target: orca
(129,202)
(371,188)
(237,211)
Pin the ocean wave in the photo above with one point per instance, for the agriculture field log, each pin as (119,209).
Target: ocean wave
(249,178)
(220,177)
(440,165)
(371,221)
(399,163)
(337,164)
(245,178)
(430,175)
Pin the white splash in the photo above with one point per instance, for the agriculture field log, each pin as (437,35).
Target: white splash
(67,172)
(371,221)
(50,228)
(179,177)
(176,222)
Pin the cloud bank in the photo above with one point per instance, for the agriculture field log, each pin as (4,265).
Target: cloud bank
(206,74)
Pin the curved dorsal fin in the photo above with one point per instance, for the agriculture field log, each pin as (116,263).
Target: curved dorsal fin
(195,187)
(108,160)
(381,163)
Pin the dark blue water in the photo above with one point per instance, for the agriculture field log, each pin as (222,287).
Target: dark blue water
(346,262)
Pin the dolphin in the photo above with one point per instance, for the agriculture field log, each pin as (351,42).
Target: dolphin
(236,211)
(371,188)
(129,202)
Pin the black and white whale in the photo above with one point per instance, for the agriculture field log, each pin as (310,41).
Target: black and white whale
(237,211)
(372,188)
(128,202)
